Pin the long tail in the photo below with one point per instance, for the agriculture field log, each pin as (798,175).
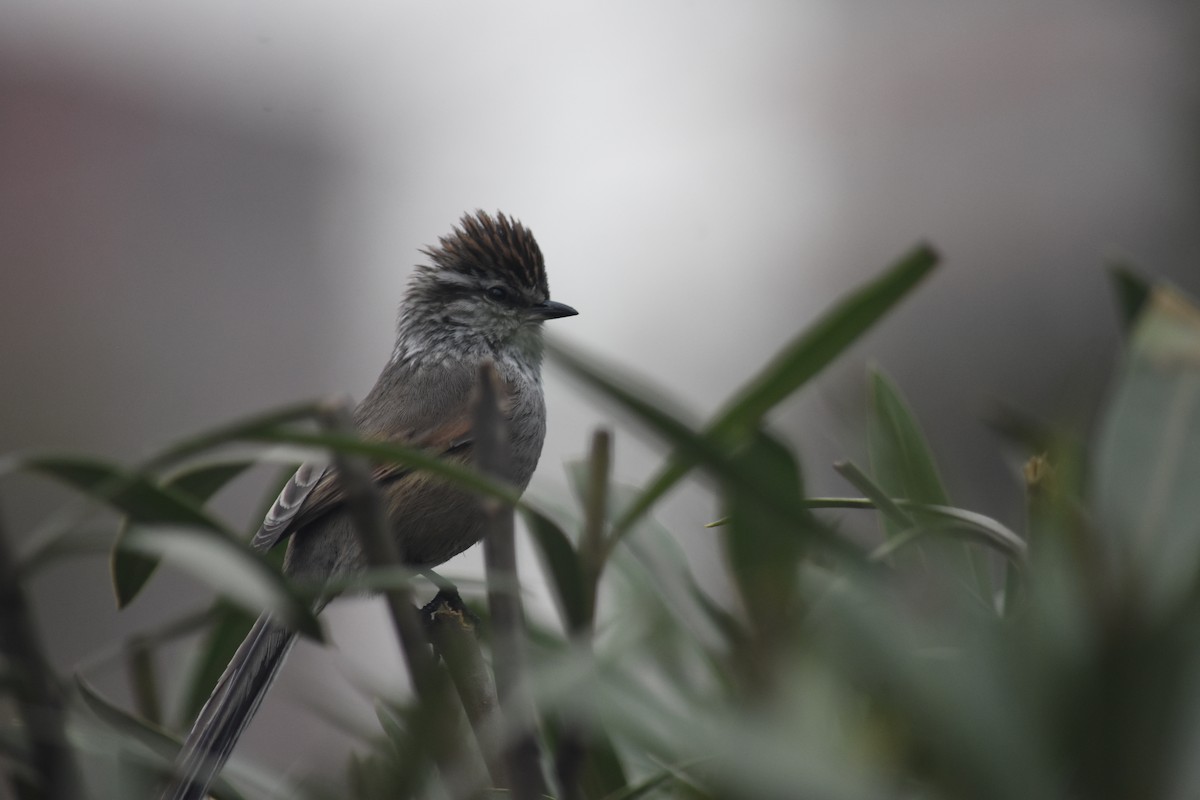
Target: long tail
(229,709)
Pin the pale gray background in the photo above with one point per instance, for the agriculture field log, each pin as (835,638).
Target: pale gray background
(212,208)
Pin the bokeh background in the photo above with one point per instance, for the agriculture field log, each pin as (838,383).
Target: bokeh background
(209,209)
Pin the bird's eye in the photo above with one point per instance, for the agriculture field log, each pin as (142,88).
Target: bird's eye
(497,293)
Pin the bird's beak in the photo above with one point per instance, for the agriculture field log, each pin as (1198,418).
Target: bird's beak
(551,310)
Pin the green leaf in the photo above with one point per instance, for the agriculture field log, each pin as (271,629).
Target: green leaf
(201,481)
(1131,290)
(141,501)
(644,787)
(161,743)
(229,566)
(825,340)
(603,772)
(899,518)
(798,362)
(127,492)
(230,626)
(750,478)
(978,527)
(1147,465)
(131,570)
(973,731)
(763,548)
(561,564)
(247,429)
(901,461)
(903,466)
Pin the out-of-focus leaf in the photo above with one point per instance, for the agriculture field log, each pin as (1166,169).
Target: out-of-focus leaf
(1131,290)
(957,711)
(163,744)
(125,491)
(232,568)
(141,501)
(603,772)
(1147,466)
(229,627)
(561,564)
(392,728)
(957,521)
(889,508)
(901,461)
(201,481)
(132,570)
(657,567)
(81,540)
(600,770)
(384,579)
(644,787)
(247,429)
(825,340)
(799,361)
(751,478)
(903,466)
(764,549)
(751,755)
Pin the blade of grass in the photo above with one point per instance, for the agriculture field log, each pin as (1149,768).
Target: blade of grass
(1131,290)
(131,570)
(983,528)
(1147,462)
(232,568)
(797,363)
(561,565)
(162,744)
(38,699)
(903,466)
(751,478)
(878,497)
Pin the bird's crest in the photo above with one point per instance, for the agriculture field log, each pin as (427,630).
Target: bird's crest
(492,247)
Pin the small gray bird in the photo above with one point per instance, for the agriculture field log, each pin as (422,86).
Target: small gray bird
(482,297)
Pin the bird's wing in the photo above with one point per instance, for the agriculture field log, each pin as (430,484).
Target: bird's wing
(452,437)
(315,489)
(287,506)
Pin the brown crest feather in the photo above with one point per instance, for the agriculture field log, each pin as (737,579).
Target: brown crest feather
(492,247)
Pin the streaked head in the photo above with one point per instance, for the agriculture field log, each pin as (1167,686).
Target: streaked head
(486,277)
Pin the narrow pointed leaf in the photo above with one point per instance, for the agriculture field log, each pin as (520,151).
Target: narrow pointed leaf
(165,745)
(901,461)
(1147,465)
(247,429)
(754,479)
(560,563)
(201,481)
(141,501)
(903,466)
(123,490)
(764,549)
(798,362)
(1131,291)
(230,567)
(131,569)
(230,626)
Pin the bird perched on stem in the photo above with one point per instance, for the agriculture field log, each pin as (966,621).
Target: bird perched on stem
(482,297)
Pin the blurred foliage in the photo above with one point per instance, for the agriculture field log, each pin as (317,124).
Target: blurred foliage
(834,668)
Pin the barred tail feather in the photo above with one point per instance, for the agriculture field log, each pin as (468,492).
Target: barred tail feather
(229,709)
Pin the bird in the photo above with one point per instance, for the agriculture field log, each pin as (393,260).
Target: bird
(481,298)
